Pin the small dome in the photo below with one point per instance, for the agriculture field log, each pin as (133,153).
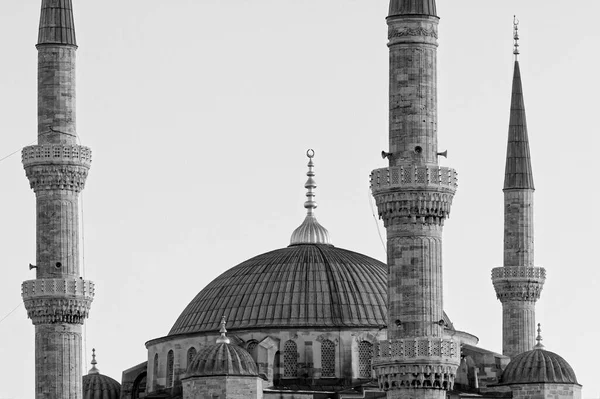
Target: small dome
(98,386)
(222,359)
(538,366)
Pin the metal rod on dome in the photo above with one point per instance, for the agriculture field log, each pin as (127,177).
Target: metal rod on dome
(310,185)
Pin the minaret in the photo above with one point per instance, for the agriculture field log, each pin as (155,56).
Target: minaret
(58,300)
(519,283)
(414,195)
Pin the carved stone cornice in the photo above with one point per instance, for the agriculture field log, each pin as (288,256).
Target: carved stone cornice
(426,363)
(50,301)
(516,283)
(57,177)
(417,31)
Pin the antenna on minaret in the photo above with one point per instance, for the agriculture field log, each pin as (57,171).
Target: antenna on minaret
(516,37)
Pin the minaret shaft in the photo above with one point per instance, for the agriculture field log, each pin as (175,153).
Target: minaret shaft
(58,300)
(413,196)
(518,283)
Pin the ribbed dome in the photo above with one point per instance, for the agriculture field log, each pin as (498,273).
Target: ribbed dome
(98,386)
(222,359)
(310,232)
(538,366)
(301,285)
(298,286)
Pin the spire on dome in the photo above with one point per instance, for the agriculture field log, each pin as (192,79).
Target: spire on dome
(310,231)
(94,370)
(223,338)
(412,7)
(57,25)
(539,338)
(518,173)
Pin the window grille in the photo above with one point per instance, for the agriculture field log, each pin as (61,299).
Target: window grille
(251,348)
(170,368)
(327,359)
(365,349)
(191,354)
(290,359)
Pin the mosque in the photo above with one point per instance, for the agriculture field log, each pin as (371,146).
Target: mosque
(311,320)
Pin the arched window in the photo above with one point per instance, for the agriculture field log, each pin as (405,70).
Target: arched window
(170,368)
(327,359)
(139,386)
(365,349)
(290,359)
(155,373)
(191,355)
(251,347)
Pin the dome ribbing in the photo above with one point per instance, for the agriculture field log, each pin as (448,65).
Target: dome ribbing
(538,366)
(224,360)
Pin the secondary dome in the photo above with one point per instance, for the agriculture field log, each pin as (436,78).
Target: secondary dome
(538,366)
(222,359)
(98,386)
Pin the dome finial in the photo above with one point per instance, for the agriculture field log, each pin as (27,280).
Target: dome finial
(94,370)
(310,185)
(516,37)
(223,338)
(539,338)
(310,231)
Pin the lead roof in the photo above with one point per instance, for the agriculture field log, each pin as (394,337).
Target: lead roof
(56,23)
(518,172)
(413,7)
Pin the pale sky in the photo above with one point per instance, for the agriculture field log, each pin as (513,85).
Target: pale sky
(199,114)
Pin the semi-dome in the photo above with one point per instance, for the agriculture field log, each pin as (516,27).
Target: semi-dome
(98,386)
(222,359)
(538,366)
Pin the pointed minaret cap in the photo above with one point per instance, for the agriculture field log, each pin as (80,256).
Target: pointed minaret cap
(518,172)
(57,26)
(539,338)
(94,370)
(412,7)
(310,231)
(223,339)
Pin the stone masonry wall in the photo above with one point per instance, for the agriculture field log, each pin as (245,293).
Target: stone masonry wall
(223,388)
(546,391)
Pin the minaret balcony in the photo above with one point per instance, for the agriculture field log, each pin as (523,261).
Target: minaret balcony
(427,363)
(57,300)
(414,177)
(518,283)
(414,193)
(62,154)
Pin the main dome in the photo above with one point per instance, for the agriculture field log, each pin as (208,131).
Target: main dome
(307,285)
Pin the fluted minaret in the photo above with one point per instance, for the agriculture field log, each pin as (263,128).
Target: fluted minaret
(58,300)
(518,283)
(413,197)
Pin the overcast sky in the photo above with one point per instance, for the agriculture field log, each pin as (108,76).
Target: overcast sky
(199,114)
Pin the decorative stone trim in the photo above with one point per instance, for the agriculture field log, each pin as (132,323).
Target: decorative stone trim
(515,290)
(406,350)
(415,376)
(419,31)
(57,300)
(57,177)
(519,273)
(56,154)
(414,177)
